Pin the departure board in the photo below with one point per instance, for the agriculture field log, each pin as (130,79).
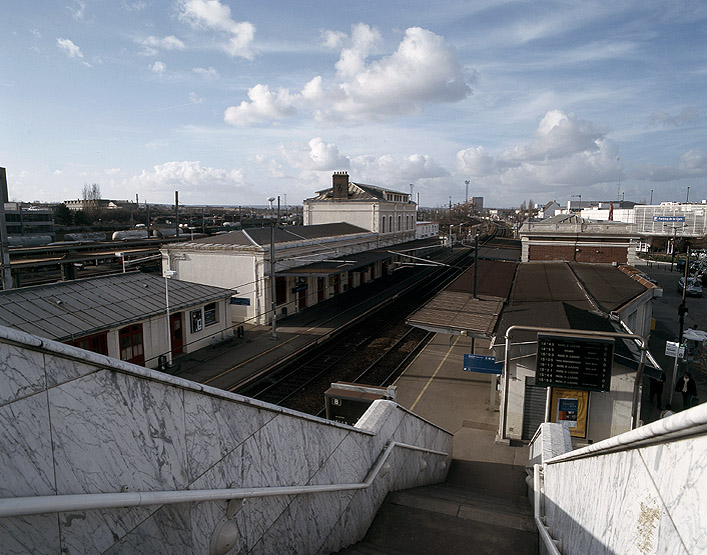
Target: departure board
(574,362)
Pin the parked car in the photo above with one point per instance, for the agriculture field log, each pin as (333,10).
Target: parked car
(693,287)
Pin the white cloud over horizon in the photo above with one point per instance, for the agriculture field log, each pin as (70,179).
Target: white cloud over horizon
(215,16)
(422,70)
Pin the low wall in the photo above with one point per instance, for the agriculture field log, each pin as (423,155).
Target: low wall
(75,422)
(640,492)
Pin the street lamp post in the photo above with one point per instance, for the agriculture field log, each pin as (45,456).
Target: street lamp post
(168,274)
(580,203)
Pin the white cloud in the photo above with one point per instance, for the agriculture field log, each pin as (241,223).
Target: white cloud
(79,10)
(317,155)
(423,69)
(689,114)
(134,7)
(68,46)
(112,171)
(693,163)
(195,98)
(264,105)
(211,14)
(159,67)
(565,152)
(210,73)
(388,169)
(154,44)
(190,178)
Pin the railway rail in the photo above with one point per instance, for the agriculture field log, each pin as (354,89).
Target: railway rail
(374,343)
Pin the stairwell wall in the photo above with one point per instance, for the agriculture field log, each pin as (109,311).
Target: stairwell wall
(75,422)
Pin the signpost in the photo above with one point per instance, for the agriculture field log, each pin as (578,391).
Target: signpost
(674,349)
(574,362)
(484,364)
(668,218)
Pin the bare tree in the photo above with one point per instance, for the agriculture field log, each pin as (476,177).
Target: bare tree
(91,196)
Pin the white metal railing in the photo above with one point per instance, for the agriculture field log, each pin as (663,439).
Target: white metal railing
(22,506)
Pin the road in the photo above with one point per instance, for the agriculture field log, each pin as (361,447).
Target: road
(665,312)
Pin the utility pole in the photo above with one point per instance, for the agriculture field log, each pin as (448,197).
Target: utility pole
(176,213)
(4,246)
(273,288)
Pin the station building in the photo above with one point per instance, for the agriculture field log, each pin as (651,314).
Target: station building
(391,214)
(571,238)
(552,295)
(672,219)
(123,316)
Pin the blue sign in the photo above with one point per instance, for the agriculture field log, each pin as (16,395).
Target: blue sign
(668,218)
(483,364)
(242,301)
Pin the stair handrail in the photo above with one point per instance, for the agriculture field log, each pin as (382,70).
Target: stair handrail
(551,545)
(23,506)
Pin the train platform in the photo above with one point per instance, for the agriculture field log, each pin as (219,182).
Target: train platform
(433,386)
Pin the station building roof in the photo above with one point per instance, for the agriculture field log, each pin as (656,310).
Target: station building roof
(81,307)
(259,237)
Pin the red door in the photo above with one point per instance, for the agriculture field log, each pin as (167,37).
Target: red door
(131,346)
(302,299)
(175,326)
(320,289)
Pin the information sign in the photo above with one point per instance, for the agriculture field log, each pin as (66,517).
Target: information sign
(671,349)
(668,218)
(574,362)
(482,363)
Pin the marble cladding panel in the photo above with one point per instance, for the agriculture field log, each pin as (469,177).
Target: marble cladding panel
(215,427)
(29,534)
(621,509)
(349,463)
(679,472)
(302,527)
(61,369)
(26,467)
(21,373)
(257,516)
(167,531)
(97,530)
(138,443)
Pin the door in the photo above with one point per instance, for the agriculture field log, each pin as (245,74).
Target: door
(131,344)
(175,326)
(533,408)
(302,299)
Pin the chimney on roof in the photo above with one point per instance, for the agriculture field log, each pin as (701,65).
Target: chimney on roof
(340,182)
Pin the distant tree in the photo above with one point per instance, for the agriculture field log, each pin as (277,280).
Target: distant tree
(62,215)
(81,218)
(91,196)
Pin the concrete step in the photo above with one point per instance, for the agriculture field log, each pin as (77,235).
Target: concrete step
(482,509)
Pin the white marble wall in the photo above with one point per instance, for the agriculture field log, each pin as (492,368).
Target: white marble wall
(638,499)
(73,422)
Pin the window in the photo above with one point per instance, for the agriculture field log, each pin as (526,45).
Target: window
(210,314)
(131,348)
(97,343)
(196,320)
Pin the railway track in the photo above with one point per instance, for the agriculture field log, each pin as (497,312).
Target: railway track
(382,344)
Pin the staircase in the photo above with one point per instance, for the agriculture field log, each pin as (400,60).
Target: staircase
(482,508)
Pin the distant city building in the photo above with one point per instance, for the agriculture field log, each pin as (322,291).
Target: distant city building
(609,211)
(672,219)
(27,220)
(548,210)
(391,214)
(423,230)
(104,204)
(477,204)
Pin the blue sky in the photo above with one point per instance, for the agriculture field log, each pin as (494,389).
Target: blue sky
(233,102)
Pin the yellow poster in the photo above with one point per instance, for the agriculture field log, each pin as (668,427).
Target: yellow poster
(570,408)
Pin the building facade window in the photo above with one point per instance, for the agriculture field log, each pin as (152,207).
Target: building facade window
(97,343)
(131,345)
(210,314)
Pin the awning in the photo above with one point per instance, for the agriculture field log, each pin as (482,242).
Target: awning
(335,266)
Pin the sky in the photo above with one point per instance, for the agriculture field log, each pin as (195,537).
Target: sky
(231,102)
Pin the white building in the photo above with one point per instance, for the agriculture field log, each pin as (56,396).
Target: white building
(391,214)
(123,316)
(548,210)
(609,211)
(672,218)
(311,264)
(424,230)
